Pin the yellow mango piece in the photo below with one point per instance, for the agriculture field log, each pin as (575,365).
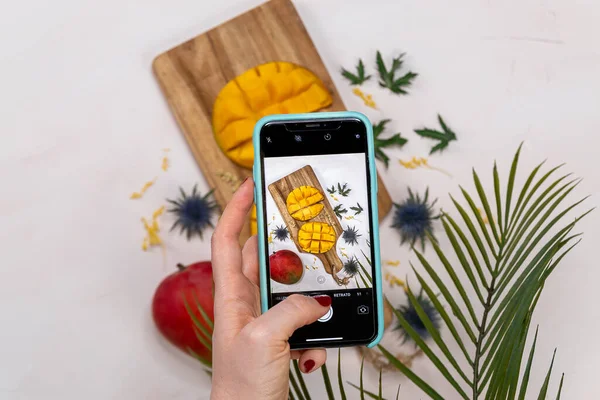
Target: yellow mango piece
(272,109)
(316,237)
(253,223)
(230,109)
(267,70)
(258,97)
(280,87)
(286,67)
(272,88)
(245,154)
(315,96)
(308,212)
(304,203)
(231,90)
(249,80)
(294,105)
(232,138)
(302,79)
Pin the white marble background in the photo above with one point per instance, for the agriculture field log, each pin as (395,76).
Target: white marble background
(83,122)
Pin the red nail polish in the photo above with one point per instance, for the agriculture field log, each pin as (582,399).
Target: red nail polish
(308,365)
(323,300)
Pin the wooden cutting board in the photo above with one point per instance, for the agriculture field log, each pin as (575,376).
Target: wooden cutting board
(192,74)
(280,190)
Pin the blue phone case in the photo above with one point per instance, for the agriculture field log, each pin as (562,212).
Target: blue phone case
(258,197)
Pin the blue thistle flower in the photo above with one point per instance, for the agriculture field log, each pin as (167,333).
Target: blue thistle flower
(281,233)
(194,212)
(350,235)
(351,266)
(413,218)
(416,323)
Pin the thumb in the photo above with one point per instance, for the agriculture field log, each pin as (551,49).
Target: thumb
(296,311)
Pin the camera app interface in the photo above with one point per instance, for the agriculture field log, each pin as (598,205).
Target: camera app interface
(317,212)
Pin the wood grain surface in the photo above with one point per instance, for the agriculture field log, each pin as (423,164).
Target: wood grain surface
(280,190)
(192,74)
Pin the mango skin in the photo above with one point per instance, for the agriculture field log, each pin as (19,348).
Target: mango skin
(286,267)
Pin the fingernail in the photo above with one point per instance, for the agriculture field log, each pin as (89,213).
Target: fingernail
(308,365)
(323,300)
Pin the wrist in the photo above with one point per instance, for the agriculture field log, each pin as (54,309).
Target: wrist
(218,394)
(220,391)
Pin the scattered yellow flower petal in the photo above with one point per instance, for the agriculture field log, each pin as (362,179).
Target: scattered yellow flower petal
(392,263)
(315,267)
(397,282)
(138,195)
(152,228)
(349,217)
(155,215)
(307,267)
(158,212)
(152,237)
(394,280)
(165,164)
(333,197)
(270,239)
(366,98)
(344,254)
(230,179)
(417,162)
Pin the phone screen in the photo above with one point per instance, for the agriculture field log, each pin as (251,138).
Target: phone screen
(318,225)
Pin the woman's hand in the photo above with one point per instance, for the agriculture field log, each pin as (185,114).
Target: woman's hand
(251,354)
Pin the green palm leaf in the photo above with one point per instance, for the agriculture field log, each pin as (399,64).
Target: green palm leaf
(361,388)
(327,382)
(562,378)
(294,384)
(340,381)
(203,334)
(301,392)
(506,261)
(298,389)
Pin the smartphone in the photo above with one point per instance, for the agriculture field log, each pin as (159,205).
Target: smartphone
(318,233)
